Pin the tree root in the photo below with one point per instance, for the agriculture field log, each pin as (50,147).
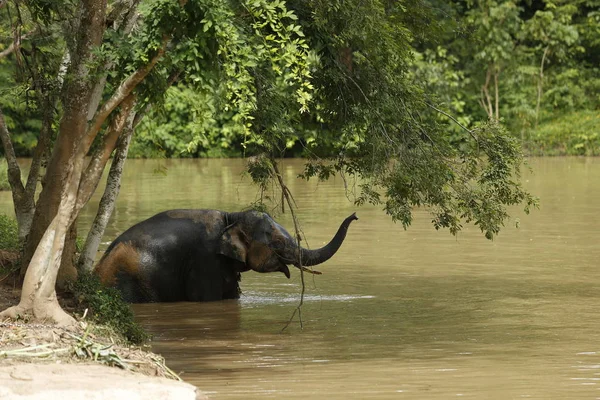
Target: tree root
(45,313)
(14,312)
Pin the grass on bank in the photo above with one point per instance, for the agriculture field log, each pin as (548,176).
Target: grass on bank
(572,134)
(86,343)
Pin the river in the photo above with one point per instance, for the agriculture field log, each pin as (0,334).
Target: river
(415,314)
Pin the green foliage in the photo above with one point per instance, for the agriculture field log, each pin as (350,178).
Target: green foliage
(187,125)
(25,129)
(246,69)
(546,49)
(553,29)
(21,120)
(249,71)
(396,95)
(402,153)
(27,77)
(9,233)
(494,26)
(79,243)
(106,306)
(438,71)
(9,242)
(576,133)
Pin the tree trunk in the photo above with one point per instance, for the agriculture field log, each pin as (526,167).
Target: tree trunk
(76,97)
(67,271)
(56,208)
(123,17)
(50,197)
(14,171)
(540,87)
(27,205)
(496,93)
(39,294)
(65,192)
(88,184)
(492,109)
(24,197)
(486,101)
(107,203)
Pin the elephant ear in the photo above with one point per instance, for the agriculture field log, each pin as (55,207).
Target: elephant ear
(234,243)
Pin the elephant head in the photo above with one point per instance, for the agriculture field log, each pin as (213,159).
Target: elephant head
(263,245)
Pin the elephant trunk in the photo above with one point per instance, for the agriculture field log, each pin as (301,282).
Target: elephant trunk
(308,258)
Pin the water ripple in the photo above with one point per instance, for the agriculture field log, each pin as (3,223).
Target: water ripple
(252,298)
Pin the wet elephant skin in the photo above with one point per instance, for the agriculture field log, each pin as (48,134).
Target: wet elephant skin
(199,255)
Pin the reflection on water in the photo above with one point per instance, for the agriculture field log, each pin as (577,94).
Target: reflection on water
(415,314)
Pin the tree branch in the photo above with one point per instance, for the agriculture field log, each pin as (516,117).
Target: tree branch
(38,154)
(126,87)
(453,119)
(14,45)
(91,177)
(291,203)
(496,93)
(484,89)
(14,172)
(142,113)
(540,86)
(123,17)
(48,101)
(8,50)
(107,202)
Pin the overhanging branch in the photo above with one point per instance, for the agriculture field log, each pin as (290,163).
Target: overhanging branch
(453,119)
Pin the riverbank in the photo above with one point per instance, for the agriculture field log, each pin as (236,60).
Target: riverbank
(88,361)
(570,134)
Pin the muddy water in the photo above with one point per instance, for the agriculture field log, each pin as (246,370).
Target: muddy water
(414,314)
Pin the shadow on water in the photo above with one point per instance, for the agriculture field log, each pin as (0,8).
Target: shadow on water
(183,330)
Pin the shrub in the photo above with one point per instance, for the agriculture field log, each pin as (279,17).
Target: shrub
(107,307)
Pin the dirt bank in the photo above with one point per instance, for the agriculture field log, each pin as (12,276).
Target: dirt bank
(39,361)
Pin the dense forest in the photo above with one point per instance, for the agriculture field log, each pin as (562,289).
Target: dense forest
(531,64)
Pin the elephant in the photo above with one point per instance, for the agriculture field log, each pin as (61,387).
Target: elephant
(199,255)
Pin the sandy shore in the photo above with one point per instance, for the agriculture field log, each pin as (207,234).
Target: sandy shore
(87,382)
